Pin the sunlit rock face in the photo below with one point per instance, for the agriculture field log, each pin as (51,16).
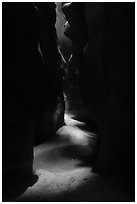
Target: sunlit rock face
(65,42)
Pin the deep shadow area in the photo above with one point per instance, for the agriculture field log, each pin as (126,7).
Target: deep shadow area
(18,189)
(32,86)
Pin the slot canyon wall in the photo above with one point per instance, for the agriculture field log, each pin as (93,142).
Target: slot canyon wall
(108,82)
(32,86)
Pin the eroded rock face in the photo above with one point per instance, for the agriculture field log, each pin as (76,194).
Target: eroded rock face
(109,84)
(32,85)
(106,91)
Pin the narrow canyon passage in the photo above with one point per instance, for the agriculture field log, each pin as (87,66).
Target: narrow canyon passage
(68,102)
